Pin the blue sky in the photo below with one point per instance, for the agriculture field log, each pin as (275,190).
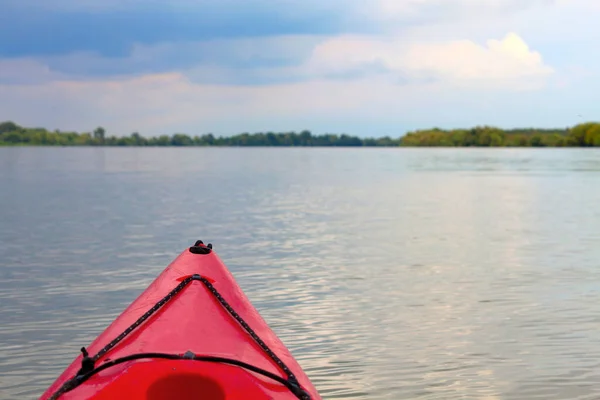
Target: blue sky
(364,67)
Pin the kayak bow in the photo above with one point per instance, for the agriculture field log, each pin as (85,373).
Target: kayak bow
(191,334)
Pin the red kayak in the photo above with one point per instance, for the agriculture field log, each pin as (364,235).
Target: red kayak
(192,334)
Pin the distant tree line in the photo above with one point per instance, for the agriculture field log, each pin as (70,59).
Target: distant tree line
(13,134)
(582,135)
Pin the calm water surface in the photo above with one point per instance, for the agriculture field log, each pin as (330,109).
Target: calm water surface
(389,273)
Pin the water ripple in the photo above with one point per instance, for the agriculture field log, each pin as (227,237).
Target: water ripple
(390,274)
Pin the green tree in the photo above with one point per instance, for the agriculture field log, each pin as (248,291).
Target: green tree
(587,134)
(13,137)
(592,135)
(536,140)
(99,134)
(8,126)
(85,139)
(180,139)
(137,140)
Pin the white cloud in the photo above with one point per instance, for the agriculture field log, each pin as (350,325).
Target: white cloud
(430,73)
(592,5)
(500,62)
(394,8)
(25,71)
(438,10)
(507,63)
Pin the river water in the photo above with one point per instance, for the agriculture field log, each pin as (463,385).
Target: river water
(389,273)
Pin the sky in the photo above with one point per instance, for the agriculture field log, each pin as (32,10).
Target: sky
(361,67)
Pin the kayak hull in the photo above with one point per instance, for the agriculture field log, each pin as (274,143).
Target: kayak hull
(192,321)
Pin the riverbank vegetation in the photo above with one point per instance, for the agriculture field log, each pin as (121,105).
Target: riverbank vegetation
(582,135)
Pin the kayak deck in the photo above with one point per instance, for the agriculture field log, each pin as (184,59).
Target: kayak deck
(192,331)
(183,380)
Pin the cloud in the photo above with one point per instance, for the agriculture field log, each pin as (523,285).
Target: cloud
(507,63)
(228,41)
(499,63)
(166,103)
(419,12)
(219,58)
(223,61)
(26,71)
(114,28)
(360,66)
(589,5)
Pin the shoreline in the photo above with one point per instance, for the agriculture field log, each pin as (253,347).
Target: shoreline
(581,135)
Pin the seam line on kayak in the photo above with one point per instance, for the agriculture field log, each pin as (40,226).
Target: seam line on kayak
(80,379)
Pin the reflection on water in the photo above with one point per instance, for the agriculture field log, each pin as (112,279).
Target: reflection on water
(389,273)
